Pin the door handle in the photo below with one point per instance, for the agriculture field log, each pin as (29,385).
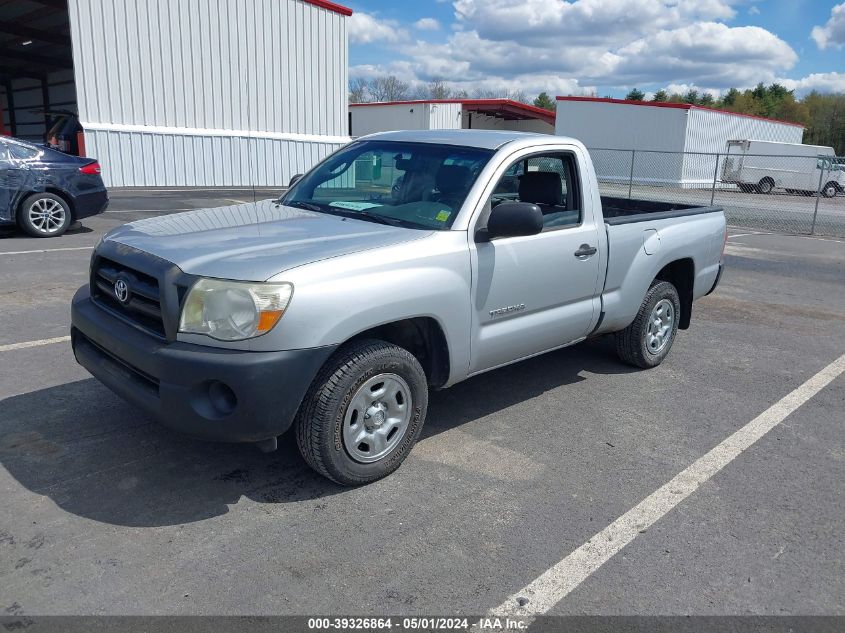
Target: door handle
(585,250)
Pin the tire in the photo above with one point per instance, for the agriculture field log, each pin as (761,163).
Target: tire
(635,344)
(44,215)
(765,186)
(830,190)
(340,407)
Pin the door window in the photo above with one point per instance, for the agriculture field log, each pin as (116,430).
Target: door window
(547,180)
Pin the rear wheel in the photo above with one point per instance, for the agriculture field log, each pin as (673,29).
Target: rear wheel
(765,186)
(363,413)
(44,215)
(648,339)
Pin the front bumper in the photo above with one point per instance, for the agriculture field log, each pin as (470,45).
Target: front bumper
(206,392)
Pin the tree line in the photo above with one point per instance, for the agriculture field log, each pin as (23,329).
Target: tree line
(822,114)
(391,88)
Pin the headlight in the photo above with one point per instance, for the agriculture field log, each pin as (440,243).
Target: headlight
(233,310)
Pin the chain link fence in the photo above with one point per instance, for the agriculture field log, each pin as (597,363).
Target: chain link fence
(783,193)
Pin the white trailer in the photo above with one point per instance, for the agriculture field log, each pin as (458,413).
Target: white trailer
(763,166)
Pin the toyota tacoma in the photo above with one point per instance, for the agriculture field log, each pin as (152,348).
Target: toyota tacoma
(335,309)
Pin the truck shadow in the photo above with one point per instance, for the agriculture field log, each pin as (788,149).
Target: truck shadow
(98,458)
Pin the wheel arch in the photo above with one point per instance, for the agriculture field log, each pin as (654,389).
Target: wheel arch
(423,337)
(49,189)
(681,274)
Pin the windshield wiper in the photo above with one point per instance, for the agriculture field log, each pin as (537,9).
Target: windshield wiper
(348,213)
(381,219)
(304,205)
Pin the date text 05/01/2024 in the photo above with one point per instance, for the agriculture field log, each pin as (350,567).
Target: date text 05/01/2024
(419,623)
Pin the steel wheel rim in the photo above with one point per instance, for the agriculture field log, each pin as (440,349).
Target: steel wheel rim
(46,215)
(830,191)
(376,418)
(661,323)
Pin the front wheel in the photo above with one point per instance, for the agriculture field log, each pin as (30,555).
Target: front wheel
(363,413)
(648,339)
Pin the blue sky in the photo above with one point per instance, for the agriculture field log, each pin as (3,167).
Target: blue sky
(601,46)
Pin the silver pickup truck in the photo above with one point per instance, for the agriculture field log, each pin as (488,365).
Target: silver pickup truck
(404,262)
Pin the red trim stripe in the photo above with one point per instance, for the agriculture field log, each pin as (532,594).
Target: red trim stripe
(539,113)
(679,106)
(331,6)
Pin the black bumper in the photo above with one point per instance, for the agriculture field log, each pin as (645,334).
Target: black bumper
(209,393)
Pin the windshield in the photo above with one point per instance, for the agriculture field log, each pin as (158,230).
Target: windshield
(418,185)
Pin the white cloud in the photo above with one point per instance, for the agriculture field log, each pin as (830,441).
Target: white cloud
(682,89)
(708,53)
(753,10)
(823,82)
(569,47)
(583,21)
(530,83)
(365,28)
(427,24)
(833,32)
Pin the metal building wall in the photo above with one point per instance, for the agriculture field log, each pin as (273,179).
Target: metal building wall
(604,127)
(209,92)
(708,131)
(383,117)
(444,116)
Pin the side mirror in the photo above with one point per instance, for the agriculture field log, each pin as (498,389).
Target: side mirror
(513,219)
(294,179)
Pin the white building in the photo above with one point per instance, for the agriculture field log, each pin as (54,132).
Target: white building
(675,143)
(449,114)
(184,93)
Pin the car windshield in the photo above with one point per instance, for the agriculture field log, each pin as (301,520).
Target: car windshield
(416,185)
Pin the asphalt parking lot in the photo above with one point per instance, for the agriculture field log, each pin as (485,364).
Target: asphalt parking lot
(105,512)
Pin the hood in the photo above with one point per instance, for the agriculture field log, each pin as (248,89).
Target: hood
(253,242)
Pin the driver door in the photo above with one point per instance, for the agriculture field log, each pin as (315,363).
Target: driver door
(535,293)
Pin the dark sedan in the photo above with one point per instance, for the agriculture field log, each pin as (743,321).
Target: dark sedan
(44,191)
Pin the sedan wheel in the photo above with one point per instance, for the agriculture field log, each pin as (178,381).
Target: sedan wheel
(44,215)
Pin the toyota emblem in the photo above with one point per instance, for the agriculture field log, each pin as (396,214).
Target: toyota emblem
(121,290)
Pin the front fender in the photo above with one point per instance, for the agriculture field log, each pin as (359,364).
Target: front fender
(337,299)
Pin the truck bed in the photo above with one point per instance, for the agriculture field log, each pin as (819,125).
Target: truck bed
(625,211)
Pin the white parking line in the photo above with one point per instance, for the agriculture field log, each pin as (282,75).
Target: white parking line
(25,344)
(557,582)
(151,210)
(49,250)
